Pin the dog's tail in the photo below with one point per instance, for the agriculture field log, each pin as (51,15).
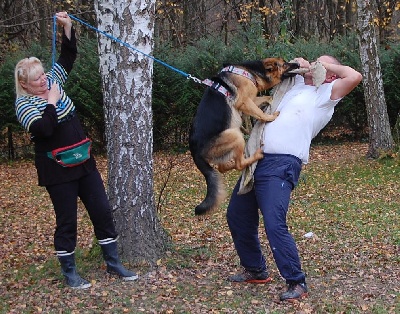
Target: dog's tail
(215,188)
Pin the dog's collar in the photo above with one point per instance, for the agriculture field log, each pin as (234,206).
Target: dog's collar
(231,69)
(239,71)
(217,86)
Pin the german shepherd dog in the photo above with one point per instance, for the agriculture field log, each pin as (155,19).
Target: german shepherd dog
(215,136)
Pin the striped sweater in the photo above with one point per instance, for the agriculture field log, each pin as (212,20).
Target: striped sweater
(30,108)
(52,127)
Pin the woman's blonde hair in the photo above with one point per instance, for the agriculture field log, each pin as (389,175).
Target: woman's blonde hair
(25,70)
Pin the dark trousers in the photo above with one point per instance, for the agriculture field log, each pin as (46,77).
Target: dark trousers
(90,189)
(274,179)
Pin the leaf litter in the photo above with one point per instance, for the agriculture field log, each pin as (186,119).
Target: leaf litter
(351,259)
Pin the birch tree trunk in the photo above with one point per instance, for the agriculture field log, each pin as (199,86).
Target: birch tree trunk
(127,86)
(380,137)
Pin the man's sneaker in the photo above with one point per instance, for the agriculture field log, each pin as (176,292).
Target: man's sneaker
(296,291)
(251,277)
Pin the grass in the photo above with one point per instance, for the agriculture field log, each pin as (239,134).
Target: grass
(352,262)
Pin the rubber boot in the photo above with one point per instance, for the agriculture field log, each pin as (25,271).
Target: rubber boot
(68,268)
(114,266)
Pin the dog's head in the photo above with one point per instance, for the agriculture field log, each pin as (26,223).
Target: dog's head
(277,69)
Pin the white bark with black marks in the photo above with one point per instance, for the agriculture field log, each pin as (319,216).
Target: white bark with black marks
(127,86)
(380,137)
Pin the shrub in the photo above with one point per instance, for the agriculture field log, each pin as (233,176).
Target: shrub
(175,100)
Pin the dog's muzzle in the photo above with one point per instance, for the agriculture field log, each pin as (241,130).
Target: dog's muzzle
(292,70)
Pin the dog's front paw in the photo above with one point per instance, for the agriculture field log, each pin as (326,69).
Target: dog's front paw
(258,154)
(276,113)
(270,117)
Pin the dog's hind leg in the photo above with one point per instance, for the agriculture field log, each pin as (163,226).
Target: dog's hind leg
(241,162)
(216,192)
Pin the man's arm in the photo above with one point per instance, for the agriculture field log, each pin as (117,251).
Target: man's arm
(346,79)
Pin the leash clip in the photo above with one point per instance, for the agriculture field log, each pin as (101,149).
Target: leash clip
(194,79)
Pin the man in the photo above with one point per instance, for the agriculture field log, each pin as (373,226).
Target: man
(304,110)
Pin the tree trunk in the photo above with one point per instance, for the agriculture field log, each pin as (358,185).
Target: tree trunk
(44,36)
(341,18)
(127,87)
(380,137)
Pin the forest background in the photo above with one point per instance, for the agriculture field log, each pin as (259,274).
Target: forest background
(197,37)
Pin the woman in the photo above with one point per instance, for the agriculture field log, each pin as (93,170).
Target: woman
(44,109)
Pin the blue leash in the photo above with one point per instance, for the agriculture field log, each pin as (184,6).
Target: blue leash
(54,45)
(188,76)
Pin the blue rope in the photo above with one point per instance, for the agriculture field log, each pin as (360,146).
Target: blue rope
(54,46)
(188,76)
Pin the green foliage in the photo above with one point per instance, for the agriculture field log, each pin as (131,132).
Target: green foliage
(396,134)
(390,63)
(175,100)
(7,93)
(350,112)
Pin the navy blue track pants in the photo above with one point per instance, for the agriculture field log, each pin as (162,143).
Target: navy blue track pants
(275,177)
